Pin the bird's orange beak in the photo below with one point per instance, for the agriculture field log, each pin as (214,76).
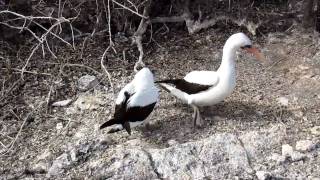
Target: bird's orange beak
(256,52)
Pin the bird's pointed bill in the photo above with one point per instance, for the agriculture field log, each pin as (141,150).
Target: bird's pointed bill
(256,52)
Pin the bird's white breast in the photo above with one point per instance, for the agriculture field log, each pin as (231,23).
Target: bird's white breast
(216,94)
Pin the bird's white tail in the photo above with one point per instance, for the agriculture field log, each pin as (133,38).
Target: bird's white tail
(176,92)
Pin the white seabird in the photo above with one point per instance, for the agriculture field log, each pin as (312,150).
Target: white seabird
(206,88)
(134,103)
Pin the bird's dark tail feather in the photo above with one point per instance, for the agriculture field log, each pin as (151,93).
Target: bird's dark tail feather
(170,81)
(109,123)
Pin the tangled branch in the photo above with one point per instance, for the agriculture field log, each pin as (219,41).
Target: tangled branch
(43,39)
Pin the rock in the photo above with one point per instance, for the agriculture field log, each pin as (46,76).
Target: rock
(88,102)
(62,103)
(40,167)
(87,82)
(208,38)
(220,156)
(315,130)
(120,37)
(59,126)
(287,150)
(305,145)
(278,158)
(262,175)
(58,165)
(283,101)
(172,142)
(297,156)
(259,143)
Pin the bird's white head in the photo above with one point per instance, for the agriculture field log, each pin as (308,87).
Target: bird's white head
(240,40)
(237,41)
(144,76)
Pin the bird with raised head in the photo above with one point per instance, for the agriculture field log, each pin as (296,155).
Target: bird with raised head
(134,103)
(206,88)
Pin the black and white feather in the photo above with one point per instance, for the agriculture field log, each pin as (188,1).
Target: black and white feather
(206,88)
(135,102)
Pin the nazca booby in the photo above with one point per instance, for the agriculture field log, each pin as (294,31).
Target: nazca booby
(206,88)
(134,103)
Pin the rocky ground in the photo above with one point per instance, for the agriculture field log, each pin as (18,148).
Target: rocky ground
(268,129)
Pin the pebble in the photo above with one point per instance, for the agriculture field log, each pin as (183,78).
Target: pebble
(287,150)
(315,130)
(262,175)
(305,145)
(297,156)
(62,103)
(278,158)
(87,82)
(59,126)
(283,101)
(172,142)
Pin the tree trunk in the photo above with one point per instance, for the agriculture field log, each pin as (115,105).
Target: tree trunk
(309,15)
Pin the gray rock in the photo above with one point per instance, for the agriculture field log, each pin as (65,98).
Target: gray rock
(305,145)
(283,101)
(220,156)
(58,165)
(197,160)
(87,82)
(262,175)
(287,150)
(62,103)
(260,144)
(297,156)
(315,130)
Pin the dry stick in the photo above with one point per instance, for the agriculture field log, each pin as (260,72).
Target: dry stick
(27,62)
(81,65)
(134,12)
(48,97)
(196,26)
(3,145)
(105,69)
(137,37)
(30,72)
(43,37)
(50,49)
(132,4)
(108,14)
(21,127)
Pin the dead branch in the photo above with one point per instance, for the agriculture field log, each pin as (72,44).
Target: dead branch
(12,143)
(43,39)
(137,37)
(134,12)
(195,26)
(104,56)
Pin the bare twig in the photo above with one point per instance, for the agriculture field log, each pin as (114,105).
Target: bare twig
(134,12)
(105,69)
(137,37)
(11,145)
(43,39)
(108,16)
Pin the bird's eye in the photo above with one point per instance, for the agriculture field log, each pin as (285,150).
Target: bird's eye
(246,46)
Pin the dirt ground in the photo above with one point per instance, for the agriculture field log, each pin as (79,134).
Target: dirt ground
(283,90)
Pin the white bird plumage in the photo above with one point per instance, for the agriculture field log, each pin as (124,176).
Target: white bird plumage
(214,86)
(134,102)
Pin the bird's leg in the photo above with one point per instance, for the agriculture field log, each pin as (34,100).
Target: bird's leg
(197,121)
(194,115)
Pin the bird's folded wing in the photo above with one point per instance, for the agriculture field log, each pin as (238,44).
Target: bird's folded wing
(208,78)
(129,88)
(144,97)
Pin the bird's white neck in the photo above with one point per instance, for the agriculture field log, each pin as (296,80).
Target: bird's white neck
(227,65)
